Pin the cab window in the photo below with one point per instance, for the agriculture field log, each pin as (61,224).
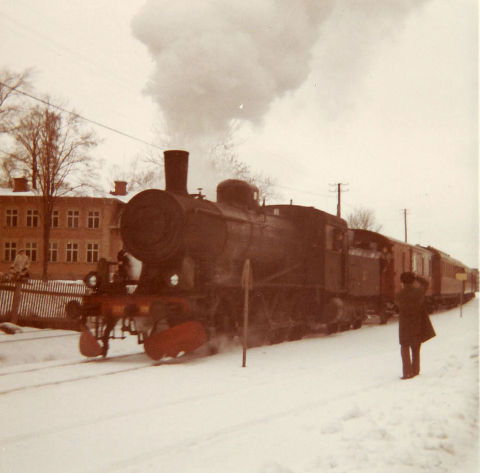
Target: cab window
(334,238)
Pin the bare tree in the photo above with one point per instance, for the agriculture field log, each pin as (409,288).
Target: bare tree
(10,109)
(363,218)
(225,160)
(143,171)
(10,84)
(27,135)
(7,170)
(52,151)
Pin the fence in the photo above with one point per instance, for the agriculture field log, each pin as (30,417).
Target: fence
(38,303)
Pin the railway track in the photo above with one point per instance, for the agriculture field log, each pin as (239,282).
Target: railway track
(55,373)
(13,380)
(162,406)
(25,337)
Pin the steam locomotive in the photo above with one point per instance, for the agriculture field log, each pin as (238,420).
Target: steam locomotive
(304,269)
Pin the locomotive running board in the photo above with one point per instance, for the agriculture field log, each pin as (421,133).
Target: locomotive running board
(184,338)
(89,345)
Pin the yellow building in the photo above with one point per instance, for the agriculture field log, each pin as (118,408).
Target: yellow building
(82,230)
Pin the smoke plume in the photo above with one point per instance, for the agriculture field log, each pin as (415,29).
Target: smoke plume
(220,60)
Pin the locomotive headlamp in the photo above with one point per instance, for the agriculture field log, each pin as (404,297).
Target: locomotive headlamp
(174,280)
(91,280)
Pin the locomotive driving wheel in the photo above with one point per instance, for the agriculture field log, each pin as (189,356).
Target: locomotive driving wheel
(271,322)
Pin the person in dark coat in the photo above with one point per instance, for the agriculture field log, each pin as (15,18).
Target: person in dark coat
(411,306)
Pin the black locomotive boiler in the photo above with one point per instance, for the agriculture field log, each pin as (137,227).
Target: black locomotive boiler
(193,252)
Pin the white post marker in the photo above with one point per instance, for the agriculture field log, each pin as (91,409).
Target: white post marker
(247,284)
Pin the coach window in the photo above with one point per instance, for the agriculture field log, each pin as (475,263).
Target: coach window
(417,263)
(12,217)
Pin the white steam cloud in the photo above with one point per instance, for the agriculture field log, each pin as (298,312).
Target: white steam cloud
(221,60)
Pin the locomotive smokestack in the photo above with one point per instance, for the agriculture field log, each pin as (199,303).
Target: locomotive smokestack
(176,171)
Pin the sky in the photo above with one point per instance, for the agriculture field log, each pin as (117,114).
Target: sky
(379,96)
(330,404)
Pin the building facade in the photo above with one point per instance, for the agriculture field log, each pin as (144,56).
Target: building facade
(82,230)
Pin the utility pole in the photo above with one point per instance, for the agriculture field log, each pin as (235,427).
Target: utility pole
(339,196)
(405,223)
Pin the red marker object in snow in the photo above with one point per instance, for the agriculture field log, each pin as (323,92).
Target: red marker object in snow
(89,345)
(184,337)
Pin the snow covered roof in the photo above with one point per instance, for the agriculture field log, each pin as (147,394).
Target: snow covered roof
(35,193)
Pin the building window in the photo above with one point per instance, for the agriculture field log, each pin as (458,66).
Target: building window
(93,219)
(12,217)
(31,251)
(72,252)
(92,252)
(10,250)
(32,218)
(54,219)
(73,218)
(53,252)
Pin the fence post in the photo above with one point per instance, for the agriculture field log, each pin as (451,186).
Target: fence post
(17,295)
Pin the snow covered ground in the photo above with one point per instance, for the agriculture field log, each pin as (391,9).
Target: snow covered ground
(321,404)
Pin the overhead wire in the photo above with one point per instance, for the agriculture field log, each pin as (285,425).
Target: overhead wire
(21,28)
(57,46)
(89,120)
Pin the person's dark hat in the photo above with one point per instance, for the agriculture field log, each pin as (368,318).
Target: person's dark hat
(407,277)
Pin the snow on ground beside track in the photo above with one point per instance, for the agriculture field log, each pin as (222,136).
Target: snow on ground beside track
(321,404)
